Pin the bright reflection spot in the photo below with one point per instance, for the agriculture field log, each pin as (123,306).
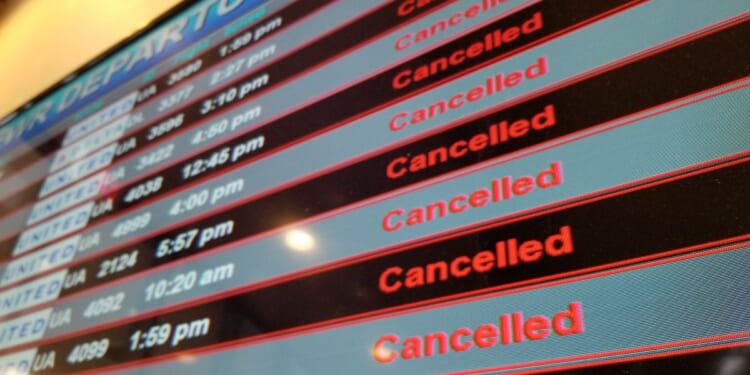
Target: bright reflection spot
(299,240)
(382,352)
(186,358)
(45,265)
(734,365)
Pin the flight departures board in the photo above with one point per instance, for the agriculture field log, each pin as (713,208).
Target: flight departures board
(388,187)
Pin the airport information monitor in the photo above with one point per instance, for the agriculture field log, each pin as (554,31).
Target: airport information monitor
(388,187)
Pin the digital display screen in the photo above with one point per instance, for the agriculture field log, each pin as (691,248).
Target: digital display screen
(388,187)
